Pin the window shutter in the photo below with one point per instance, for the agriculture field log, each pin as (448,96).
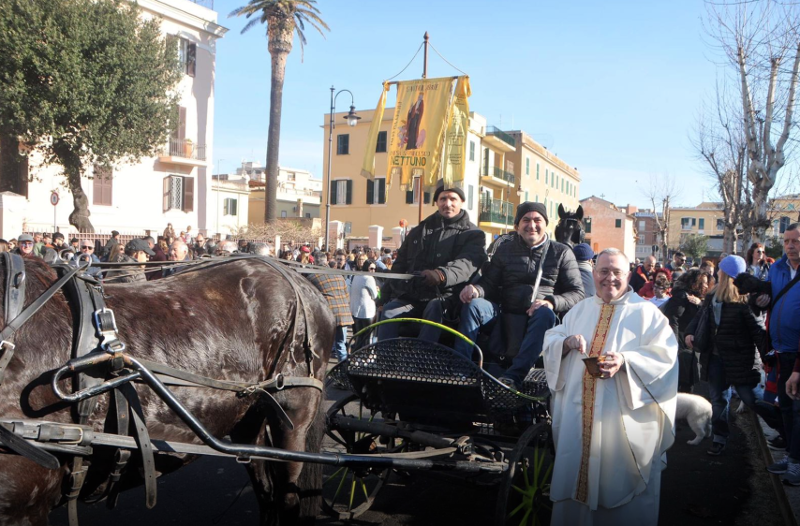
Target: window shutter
(181,123)
(166,199)
(188,194)
(370,191)
(410,197)
(349,200)
(334,198)
(426,197)
(234,207)
(381,191)
(191,59)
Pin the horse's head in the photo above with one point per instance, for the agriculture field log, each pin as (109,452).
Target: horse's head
(569,229)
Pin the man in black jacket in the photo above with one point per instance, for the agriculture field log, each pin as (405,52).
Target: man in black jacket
(446,250)
(508,284)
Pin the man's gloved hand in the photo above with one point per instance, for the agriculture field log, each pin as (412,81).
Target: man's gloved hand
(432,278)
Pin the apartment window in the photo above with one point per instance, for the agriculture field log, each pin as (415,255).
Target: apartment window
(720,224)
(178,193)
(618,223)
(412,196)
(308,215)
(381,146)
(187,52)
(641,239)
(342,192)
(471,150)
(284,213)
(348,227)
(702,225)
(537,171)
(102,184)
(641,225)
(587,225)
(784,223)
(343,144)
(527,166)
(230,206)
(687,223)
(376,191)
(470,196)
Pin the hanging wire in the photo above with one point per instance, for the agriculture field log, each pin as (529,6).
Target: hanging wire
(409,63)
(440,56)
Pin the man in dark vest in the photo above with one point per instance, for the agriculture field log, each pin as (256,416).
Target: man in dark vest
(445,250)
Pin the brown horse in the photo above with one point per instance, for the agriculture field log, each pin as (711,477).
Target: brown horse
(230,322)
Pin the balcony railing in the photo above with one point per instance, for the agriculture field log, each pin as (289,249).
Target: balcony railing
(500,134)
(499,173)
(186,148)
(496,211)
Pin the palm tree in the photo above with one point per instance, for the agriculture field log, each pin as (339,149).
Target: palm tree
(283,18)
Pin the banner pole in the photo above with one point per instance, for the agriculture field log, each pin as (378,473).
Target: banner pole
(424,75)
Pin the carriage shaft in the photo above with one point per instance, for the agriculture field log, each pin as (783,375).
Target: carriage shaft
(351,423)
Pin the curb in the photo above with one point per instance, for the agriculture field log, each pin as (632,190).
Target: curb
(784,506)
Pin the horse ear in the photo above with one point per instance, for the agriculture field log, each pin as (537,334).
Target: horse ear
(579,213)
(561,212)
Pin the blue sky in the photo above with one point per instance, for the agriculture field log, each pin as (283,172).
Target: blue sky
(614,88)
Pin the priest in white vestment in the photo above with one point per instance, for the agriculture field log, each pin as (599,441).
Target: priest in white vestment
(611,432)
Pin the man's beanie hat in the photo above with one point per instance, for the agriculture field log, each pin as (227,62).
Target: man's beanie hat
(527,207)
(455,190)
(583,252)
(733,265)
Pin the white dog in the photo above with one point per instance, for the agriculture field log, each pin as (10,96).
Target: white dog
(696,410)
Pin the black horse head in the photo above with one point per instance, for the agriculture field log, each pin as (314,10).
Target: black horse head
(569,229)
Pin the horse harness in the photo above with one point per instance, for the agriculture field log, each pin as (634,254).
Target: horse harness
(95,340)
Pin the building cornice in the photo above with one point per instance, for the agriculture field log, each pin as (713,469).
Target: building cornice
(170,10)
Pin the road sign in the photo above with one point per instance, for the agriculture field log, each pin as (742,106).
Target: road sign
(54,198)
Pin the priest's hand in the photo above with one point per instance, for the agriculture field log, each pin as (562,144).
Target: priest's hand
(576,342)
(611,364)
(539,304)
(792,385)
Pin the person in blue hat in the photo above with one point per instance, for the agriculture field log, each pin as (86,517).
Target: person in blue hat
(729,353)
(583,255)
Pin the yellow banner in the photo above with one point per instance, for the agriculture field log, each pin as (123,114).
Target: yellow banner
(455,147)
(368,168)
(420,118)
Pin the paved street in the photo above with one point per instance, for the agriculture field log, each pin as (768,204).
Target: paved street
(217,492)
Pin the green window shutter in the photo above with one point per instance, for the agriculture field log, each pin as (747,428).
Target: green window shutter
(426,197)
(537,171)
(349,200)
(370,191)
(381,191)
(334,197)
(410,197)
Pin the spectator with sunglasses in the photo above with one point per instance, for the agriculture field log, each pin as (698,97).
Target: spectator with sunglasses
(757,262)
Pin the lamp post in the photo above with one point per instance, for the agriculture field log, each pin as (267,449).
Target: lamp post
(352,120)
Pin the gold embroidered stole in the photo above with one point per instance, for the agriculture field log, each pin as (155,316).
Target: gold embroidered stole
(589,389)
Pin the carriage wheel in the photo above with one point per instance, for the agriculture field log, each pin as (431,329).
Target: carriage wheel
(524,495)
(349,492)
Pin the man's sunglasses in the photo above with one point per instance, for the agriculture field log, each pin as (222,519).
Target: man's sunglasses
(87,247)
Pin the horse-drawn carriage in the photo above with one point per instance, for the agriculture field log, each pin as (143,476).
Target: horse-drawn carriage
(415,399)
(233,363)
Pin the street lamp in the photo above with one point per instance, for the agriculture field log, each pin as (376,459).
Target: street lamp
(352,120)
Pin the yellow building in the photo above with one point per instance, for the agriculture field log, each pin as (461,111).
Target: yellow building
(783,211)
(498,174)
(704,219)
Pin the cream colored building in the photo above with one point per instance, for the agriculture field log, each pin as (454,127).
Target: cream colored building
(783,211)
(231,200)
(174,187)
(298,195)
(495,180)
